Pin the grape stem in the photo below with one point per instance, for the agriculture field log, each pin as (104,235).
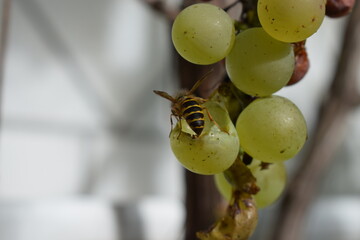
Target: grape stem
(249,15)
(241,217)
(241,178)
(343,98)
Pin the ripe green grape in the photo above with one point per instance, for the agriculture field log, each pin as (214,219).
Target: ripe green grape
(258,64)
(203,33)
(291,20)
(214,150)
(271,129)
(271,182)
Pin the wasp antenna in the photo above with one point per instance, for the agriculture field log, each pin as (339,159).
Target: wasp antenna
(197,84)
(164,95)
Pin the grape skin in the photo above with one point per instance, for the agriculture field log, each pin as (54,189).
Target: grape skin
(271,129)
(258,64)
(291,20)
(223,186)
(214,150)
(203,33)
(272,182)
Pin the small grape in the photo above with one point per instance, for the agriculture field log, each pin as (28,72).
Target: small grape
(214,150)
(203,33)
(271,129)
(291,20)
(258,64)
(223,186)
(271,181)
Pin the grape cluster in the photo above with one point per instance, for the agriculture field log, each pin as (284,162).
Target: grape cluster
(260,60)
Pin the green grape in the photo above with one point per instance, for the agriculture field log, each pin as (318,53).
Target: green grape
(203,33)
(271,129)
(258,64)
(271,182)
(214,150)
(291,20)
(223,186)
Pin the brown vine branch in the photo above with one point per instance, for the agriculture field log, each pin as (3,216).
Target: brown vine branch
(342,98)
(160,7)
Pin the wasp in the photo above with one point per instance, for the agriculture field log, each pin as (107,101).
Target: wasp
(185,105)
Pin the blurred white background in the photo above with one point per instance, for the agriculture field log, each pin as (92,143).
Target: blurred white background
(84,141)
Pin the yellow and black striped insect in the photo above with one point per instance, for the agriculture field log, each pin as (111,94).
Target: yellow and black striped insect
(189,107)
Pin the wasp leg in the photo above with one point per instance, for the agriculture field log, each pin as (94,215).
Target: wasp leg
(212,119)
(171,123)
(200,100)
(179,120)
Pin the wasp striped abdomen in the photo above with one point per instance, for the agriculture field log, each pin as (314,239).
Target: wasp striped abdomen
(193,114)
